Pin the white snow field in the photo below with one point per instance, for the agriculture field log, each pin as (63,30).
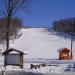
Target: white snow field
(42,47)
(39,43)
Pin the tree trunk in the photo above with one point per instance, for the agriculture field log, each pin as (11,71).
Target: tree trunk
(7,34)
(8,24)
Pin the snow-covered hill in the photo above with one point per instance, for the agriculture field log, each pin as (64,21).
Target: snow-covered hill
(43,45)
(39,43)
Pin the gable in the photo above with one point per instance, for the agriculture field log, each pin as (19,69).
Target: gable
(12,51)
(63,50)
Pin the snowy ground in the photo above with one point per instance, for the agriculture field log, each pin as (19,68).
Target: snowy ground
(42,47)
(39,43)
(47,70)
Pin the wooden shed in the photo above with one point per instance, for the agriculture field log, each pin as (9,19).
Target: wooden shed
(13,57)
(65,54)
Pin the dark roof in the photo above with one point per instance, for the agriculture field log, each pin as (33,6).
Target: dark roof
(61,49)
(12,49)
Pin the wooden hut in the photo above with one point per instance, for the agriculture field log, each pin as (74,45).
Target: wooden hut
(13,57)
(65,54)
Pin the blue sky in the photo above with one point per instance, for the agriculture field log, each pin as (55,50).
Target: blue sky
(44,12)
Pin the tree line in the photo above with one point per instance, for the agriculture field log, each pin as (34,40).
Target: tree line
(65,25)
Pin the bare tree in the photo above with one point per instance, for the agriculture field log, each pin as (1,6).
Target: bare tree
(9,8)
(15,26)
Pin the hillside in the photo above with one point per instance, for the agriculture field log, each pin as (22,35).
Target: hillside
(41,46)
(39,43)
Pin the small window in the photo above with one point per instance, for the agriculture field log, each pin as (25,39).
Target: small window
(65,54)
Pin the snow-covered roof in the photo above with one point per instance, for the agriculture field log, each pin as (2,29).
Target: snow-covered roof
(62,49)
(12,50)
(25,52)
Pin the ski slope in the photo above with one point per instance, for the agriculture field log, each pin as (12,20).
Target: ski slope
(39,43)
(41,46)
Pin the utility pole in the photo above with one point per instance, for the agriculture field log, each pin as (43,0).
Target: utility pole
(72,31)
(71,45)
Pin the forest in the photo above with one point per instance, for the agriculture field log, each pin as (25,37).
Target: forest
(64,25)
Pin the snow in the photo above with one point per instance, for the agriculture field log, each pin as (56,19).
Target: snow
(59,69)
(48,70)
(39,43)
(41,47)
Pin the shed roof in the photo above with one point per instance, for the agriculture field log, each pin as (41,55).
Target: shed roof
(12,49)
(61,49)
